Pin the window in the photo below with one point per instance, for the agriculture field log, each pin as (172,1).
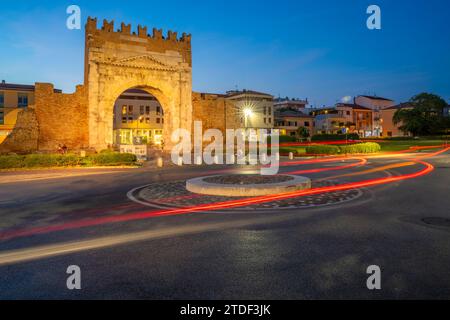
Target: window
(348,113)
(124,119)
(270,110)
(22,100)
(270,120)
(141,110)
(158,110)
(147,120)
(158,120)
(2,117)
(306,123)
(265,110)
(2,99)
(265,120)
(147,109)
(130,119)
(130,110)
(124,110)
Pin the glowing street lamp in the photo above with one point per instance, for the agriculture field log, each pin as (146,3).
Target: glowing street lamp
(247,113)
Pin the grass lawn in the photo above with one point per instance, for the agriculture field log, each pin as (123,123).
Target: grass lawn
(399,145)
(386,145)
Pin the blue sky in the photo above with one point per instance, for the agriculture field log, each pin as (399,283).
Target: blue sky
(317,49)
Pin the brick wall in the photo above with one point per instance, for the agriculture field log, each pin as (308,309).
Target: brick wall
(214,111)
(63,118)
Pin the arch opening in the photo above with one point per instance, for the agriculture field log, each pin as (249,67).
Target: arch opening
(138,119)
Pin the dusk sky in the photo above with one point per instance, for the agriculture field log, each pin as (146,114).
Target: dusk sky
(316,49)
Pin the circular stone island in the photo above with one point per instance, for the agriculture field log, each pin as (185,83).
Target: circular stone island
(247,185)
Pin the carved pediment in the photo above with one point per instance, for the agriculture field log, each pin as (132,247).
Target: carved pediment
(144,62)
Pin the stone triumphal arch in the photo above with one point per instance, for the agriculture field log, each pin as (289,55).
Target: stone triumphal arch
(119,60)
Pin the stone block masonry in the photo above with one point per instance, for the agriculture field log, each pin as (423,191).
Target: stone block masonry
(215,112)
(24,137)
(63,118)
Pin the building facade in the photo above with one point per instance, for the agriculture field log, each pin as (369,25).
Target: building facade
(298,105)
(358,119)
(138,118)
(376,104)
(255,109)
(289,121)
(344,117)
(389,128)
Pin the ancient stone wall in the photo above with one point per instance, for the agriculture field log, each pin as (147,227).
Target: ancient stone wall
(24,137)
(63,118)
(215,112)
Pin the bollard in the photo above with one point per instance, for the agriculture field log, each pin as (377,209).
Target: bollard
(291,156)
(159,162)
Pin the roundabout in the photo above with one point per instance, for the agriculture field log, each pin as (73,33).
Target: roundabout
(242,185)
(174,195)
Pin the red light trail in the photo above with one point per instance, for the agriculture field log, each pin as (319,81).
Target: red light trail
(427,168)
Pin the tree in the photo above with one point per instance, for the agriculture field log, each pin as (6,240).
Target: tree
(303,132)
(424,118)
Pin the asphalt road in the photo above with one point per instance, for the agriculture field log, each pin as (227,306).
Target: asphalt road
(308,253)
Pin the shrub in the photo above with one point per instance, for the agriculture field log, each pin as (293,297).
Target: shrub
(40,160)
(112,158)
(295,150)
(367,147)
(106,151)
(287,139)
(66,160)
(322,149)
(335,137)
(11,161)
(282,139)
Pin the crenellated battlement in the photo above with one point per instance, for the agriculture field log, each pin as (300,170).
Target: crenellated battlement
(141,32)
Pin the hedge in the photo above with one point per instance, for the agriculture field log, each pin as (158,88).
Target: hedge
(67,160)
(112,158)
(335,137)
(367,147)
(282,138)
(295,150)
(322,149)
